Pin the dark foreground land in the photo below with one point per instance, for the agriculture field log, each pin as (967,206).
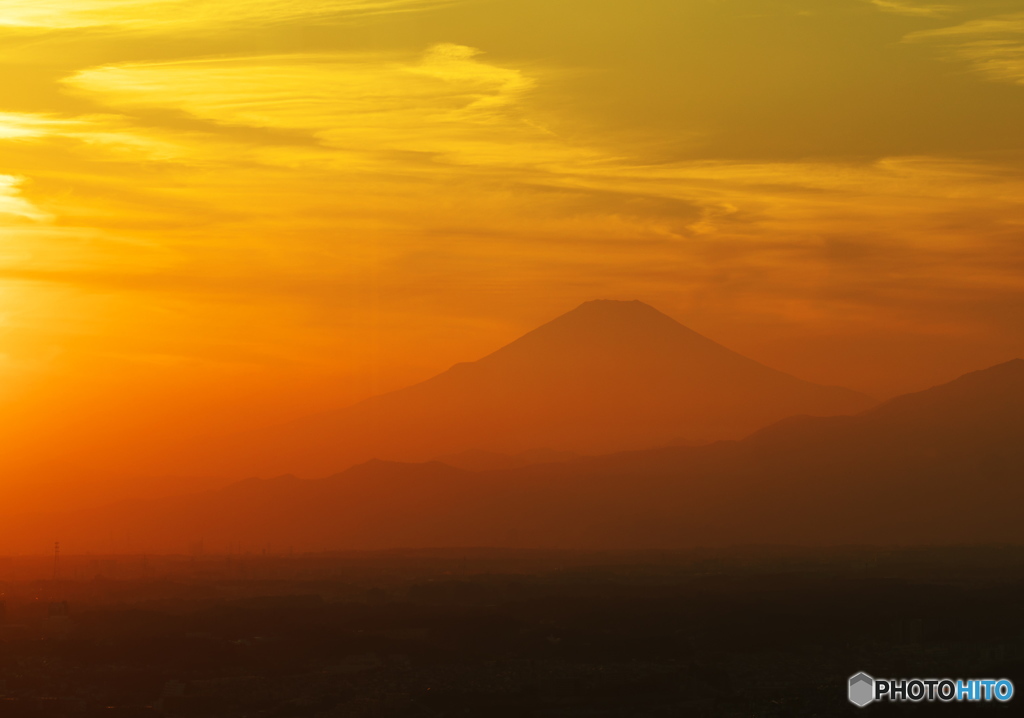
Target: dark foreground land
(752,632)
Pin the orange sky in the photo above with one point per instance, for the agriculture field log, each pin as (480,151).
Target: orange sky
(217,214)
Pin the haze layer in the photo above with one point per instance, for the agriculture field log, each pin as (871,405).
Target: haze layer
(939,467)
(607,376)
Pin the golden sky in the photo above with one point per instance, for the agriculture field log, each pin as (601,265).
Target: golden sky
(217,213)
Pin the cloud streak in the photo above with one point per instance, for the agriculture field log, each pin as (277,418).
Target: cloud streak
(475,164)
(172,15)
(993,47)
(447,102)
(14,205)
(905,8)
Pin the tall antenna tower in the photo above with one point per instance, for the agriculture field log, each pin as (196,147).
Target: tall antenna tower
(56,559)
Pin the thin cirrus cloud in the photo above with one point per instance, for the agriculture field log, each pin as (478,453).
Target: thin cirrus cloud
(201,197)
(13,205)
(17,125)
(437,163)
(199,14)
(446,103)
(906,8)
(114,134)
(994,46)
(448,115)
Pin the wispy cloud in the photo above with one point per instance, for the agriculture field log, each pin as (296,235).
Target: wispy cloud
(450,119)
(447,102)
(17,125)
(1012,24)
(993,46)
(114,133)
(176,14)
(13,205)
(900,7)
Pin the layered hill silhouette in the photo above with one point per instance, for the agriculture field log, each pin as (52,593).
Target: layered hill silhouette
(476,460)
(606,376)
(942,466)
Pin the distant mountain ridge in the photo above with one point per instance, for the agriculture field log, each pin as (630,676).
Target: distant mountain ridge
(942,466)
(606,376)
(475,460)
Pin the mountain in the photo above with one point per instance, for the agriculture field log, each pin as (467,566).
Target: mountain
(477,460)
(942,466)
(606,376)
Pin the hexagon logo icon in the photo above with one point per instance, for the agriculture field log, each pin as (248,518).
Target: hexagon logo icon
(862,689)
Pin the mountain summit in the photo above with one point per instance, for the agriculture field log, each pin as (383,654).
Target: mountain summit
(606,376)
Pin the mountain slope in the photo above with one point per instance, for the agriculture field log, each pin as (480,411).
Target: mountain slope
(941,466)
(606,376)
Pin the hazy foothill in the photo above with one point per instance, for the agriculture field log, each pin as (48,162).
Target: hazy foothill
(607,376)
(610,427)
